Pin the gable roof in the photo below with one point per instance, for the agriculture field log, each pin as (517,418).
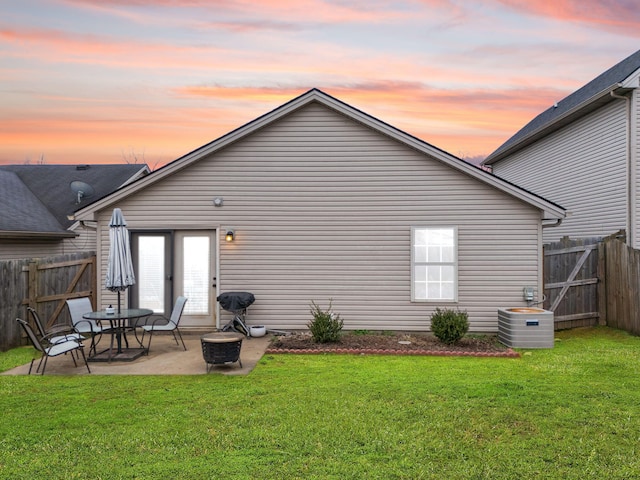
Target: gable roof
(589,97)
(38,199)
(552,210)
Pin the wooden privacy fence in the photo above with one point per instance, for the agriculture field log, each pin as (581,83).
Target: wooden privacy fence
(621,306)
(593,282)
(44,284)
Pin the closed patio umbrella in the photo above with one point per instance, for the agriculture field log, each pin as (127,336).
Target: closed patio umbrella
(120,274)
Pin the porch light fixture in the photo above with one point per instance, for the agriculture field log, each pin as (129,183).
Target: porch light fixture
(218,202)
(230,236)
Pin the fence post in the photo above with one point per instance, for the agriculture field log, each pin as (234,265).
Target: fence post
(602,283)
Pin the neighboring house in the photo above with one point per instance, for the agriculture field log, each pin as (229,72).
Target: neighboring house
(37,201)
(327,203)
(584,154)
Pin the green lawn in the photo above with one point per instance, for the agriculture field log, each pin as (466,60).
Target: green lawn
(569,412)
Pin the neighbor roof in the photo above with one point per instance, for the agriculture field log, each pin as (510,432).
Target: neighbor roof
(37,199)
(311,96)
(590,96)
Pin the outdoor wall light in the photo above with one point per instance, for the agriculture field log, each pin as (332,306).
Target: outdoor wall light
(230,236)
(218,202)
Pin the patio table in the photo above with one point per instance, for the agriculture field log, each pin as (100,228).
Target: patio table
(120,323)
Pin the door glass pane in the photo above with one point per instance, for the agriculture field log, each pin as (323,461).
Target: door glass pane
(151,274)
(196,261)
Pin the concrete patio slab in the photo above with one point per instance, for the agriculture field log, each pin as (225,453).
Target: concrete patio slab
(165,358)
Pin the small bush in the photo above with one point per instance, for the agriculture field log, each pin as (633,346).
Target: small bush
(449,326)
(326,326)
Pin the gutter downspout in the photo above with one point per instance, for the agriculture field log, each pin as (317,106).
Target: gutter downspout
(631,173)
(557,223)
(552,225)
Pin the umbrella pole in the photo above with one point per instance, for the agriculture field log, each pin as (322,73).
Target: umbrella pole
(118,301)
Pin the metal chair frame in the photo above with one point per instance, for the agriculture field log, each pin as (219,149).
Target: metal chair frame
(57,332)
(51,349)
(77,308)
(164,324)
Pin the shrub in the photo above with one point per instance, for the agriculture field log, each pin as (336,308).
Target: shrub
(326,326)
(449,326)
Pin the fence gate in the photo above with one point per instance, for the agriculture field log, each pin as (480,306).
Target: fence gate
(44,284)
(571,282)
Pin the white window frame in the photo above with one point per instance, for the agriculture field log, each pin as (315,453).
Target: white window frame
(453,263)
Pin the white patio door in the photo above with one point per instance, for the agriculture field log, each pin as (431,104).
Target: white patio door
(194,274)
(170,264)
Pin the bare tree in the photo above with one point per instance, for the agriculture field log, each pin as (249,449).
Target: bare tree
(40,161)
(132,157)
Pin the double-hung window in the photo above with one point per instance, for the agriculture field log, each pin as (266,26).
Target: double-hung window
(434,263)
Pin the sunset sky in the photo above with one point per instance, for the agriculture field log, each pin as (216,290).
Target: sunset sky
(110,81)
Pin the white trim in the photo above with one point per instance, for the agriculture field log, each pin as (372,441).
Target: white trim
(217,269)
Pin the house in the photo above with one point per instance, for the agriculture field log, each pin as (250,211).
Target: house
(37,201)
(322,202)
(584,153)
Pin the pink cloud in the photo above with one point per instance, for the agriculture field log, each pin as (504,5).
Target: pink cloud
(617,16)
(50,45)
(309,11)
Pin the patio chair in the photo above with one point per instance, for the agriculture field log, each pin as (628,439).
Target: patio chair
(77,308)
(164,324)
(51,349)
(56,333)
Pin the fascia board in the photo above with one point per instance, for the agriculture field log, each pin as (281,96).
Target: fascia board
(18,234)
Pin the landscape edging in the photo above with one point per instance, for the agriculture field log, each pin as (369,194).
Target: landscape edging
(367,351)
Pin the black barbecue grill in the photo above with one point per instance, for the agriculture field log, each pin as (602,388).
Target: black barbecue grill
(236,303)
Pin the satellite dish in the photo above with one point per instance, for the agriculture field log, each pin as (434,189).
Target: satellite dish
(81,190)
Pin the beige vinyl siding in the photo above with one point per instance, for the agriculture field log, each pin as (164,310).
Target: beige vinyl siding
(84,242)
(581,167)
(322,208)
(10,250)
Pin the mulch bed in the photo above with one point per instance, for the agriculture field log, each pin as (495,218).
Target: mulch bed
(392,344)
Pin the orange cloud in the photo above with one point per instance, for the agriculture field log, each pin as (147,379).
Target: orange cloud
(464,122)
(470,125)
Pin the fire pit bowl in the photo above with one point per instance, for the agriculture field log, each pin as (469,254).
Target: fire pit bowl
(221,348)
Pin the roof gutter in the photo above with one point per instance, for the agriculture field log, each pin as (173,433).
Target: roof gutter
(24,235)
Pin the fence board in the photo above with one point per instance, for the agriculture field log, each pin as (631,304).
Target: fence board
(12,291)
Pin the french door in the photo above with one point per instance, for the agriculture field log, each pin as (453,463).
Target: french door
(173,263)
